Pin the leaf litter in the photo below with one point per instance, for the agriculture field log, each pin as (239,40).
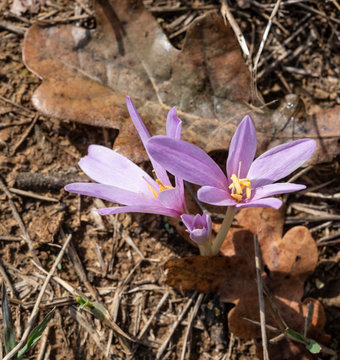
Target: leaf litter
(288,261)
(87,231)
(207,80)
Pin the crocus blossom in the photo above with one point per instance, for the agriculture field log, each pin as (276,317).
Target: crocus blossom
(247,182)
(121,181)
(198,227)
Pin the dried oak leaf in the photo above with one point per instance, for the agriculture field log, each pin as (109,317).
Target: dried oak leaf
(21,6)
(288,261)
(87,74)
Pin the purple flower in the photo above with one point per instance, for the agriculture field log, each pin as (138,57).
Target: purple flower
(120,181)
(248,182)
(198,227)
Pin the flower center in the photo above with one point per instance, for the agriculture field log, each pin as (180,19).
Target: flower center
(238,185)
(161,188)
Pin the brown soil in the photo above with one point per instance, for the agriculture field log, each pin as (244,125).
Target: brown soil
(107,265)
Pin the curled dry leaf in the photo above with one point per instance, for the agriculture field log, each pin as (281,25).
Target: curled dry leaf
(128,54)
(288,260)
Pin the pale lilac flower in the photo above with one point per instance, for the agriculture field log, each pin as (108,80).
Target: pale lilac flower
(248,182)
(120,181)
(198,227)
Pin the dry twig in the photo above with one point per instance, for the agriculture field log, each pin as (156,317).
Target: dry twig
(19,221)
(174,327)
(261,299)
(35,310)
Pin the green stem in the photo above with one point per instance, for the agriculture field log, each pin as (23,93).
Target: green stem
(205,249)
(228,219)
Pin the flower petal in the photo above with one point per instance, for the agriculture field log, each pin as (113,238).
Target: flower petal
(172,199)
(180,187)
(273,189)
(112,193)
(242,149)
(145,136)
(280,161)
(137,121)
(215,196)
(173,125)
(266,202)
(199,227)
(108,167)
(186,161)
(139,209)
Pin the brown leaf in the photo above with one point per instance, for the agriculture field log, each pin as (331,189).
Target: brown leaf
(87,74)
(286,350)
(21,6)
(288,261)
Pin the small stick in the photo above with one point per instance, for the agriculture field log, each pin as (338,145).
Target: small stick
(6,279)
(84,7)
(32,195)
(25,134)
(80,318)
(300,173)
(294,220)
(47,353)
(12,28)
(227,15)
(263,41)
(46,181)
(158,10)
(321,226)
(9,238)
(174,326)
(336,4)
(99,204)
(308,20)
(19,221)
(318,12)
(117,296)
(261,299)
(335,197)
(15,123)
(64,21)
(16,105)
(326,239)
(80,271)
(35,310)
(189,327)
(308,318)
(148,323)
(43,343)
(230,347)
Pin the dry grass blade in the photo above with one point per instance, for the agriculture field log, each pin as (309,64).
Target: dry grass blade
(87,327)
(149,322)
(19,221)
(35,310)
(24,135)
(32,195)
(227,15)
(190,324)
(6,278)
(263,41)
(174,327)
(261,299)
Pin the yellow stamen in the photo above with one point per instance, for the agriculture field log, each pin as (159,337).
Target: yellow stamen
(238,185)
(153,191)
(161,188)
(236,197)
(248,192)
